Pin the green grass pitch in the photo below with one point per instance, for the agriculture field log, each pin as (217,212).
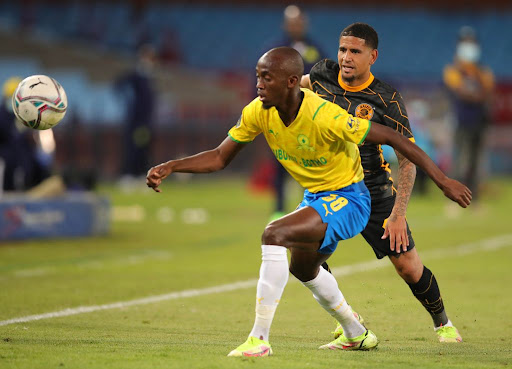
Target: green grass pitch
(206,233)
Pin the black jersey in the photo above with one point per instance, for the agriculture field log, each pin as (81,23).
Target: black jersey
(374,100)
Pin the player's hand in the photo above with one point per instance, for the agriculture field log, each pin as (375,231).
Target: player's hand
(396,230)
(156,175)
(457,192)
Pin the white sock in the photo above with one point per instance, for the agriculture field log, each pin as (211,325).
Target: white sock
(326,292)
(448,324)
(273,278)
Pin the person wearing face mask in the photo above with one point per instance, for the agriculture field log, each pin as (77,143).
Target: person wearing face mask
(471,86)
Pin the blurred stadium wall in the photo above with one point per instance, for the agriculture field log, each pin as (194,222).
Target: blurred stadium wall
(207,52)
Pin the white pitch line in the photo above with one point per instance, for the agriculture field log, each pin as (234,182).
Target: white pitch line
(489,244)
(142,301)
(93,264)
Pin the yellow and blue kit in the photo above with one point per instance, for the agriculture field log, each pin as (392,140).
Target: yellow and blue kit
(319,150)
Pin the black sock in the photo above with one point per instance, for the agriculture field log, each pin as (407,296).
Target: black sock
(326,267)
(427,292)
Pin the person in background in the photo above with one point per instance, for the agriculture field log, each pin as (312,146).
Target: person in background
(170,53)
(471,87)
(8,135)
(26,155)
(137,89)
(295,26)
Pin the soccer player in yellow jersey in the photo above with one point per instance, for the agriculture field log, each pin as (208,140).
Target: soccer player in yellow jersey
(316,141)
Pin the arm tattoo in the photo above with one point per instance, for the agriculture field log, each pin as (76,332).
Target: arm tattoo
(406,177)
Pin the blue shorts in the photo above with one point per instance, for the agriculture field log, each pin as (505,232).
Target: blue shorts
(346,212)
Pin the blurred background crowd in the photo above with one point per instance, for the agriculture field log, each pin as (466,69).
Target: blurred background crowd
(152,80)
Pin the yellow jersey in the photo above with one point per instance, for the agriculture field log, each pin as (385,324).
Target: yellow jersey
(318,149)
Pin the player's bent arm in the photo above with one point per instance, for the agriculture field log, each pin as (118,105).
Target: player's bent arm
(204,162)
(451,188)
(396,226)
(406,178)
(208,161)
(305,82)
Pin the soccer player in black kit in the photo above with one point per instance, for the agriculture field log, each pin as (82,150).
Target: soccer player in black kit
(350,84)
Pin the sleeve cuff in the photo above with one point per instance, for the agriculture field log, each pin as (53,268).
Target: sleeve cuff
(234,139)
(367,131)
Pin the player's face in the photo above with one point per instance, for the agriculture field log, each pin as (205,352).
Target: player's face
(271,87)
(355,60)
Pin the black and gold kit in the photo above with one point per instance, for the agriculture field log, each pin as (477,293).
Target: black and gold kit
(379,102)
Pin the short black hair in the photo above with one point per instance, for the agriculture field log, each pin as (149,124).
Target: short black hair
(364,31)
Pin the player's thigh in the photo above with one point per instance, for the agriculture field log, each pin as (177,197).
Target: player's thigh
(301,229)
(381,210)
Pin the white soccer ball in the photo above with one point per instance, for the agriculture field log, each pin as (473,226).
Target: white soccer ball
(39,102)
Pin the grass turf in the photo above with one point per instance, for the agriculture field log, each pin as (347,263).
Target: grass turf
(150,257)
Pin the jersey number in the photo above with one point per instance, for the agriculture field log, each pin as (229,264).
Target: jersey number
(335,203)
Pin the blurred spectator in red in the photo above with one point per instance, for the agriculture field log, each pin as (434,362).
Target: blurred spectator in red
(170,49)
(471,85)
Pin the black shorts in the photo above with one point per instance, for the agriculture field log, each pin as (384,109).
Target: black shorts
(381,209)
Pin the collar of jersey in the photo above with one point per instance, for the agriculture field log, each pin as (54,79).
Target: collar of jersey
(355,88)
(299,113)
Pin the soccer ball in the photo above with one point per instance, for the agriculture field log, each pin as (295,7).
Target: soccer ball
(39,102)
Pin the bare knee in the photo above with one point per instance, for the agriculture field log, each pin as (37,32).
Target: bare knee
(408,266)
(410,272)
(274,235)
(407,274)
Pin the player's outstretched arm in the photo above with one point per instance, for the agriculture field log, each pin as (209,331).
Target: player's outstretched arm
(204,162)
(451,188)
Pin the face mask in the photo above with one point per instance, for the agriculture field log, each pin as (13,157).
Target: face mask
(468,52)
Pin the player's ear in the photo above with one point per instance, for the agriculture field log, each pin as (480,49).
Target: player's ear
(375,55)
(293,81)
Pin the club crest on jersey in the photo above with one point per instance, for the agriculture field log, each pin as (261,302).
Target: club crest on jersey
(364,111)
(303,141)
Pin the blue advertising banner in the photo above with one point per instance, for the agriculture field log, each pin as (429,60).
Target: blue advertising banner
(73,215)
